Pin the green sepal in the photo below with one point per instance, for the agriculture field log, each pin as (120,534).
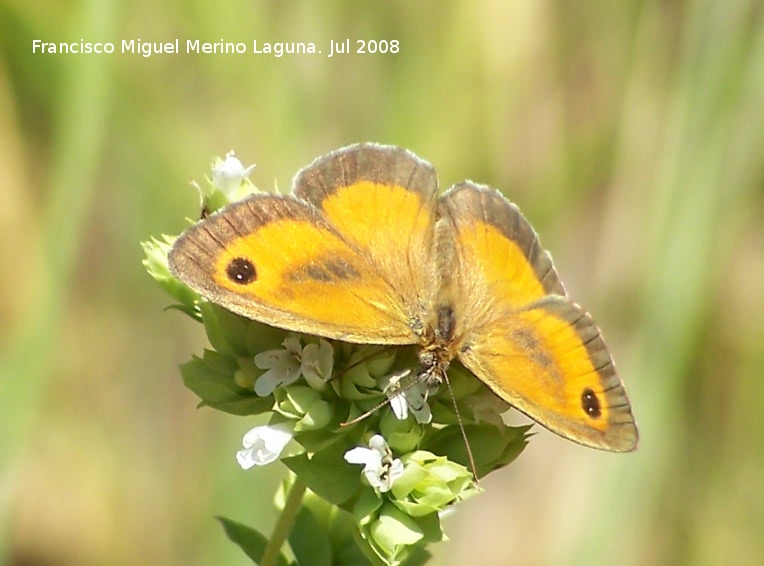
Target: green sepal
(367,506)
(430,484)
(304,405)
(380,362)
(360,370)
(402,436)
(393,534)
(155,262)
(251,541)
(368,509)
(214,200)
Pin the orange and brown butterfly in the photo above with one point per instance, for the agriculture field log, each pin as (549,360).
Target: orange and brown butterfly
(365,250)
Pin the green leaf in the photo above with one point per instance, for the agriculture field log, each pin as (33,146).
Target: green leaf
(418,557)
(461,382)
(515,448)
(340,528)
(327,474)
(309,542)
(212,379)
(225,331)
(367,506)
(492,447)
(352,555)
(236,335)
(251,541)
(316,440)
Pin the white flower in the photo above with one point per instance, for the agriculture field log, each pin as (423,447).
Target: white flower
(380,469)
(284,367)
(411,397)
(316,363)
(229,174)
(263,445)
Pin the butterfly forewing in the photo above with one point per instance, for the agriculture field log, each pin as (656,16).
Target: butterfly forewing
(316,261)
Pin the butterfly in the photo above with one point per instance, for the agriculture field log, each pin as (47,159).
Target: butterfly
(365,250)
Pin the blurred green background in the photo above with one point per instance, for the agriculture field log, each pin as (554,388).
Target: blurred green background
(630,133)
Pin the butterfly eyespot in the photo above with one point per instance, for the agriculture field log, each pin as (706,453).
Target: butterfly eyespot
(242,271)
(591,403)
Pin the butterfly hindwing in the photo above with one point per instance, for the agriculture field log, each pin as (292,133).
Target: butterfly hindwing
(549,361)
(520,335)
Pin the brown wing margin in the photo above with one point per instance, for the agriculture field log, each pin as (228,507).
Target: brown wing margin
(383,200)
(380,164)
(549,361)
(467,201)
(192,257)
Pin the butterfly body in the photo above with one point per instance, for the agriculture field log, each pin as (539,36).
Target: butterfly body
(365,250)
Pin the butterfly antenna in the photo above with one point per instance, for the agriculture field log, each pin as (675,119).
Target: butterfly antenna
(461,427)
(381,404)
(367,414)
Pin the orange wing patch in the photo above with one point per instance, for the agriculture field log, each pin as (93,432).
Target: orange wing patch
(499,263)
(532,347)
(347,256)
(550,362)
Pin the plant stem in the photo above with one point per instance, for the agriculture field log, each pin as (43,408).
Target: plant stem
(284,524)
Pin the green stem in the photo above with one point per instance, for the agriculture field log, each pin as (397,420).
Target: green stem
(284,524)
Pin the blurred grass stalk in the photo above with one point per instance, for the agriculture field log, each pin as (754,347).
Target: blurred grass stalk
(706,176)
(81,119)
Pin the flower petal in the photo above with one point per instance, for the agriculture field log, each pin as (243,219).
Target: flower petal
(263,445)
(380,469)
(317,362)
(400,406)
(283,369)
(361,455)
(229,173)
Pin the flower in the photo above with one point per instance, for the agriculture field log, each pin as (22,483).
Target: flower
(380,469)
(412,396)
(283,366)
(229,173)
(263,445)
(314,362)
